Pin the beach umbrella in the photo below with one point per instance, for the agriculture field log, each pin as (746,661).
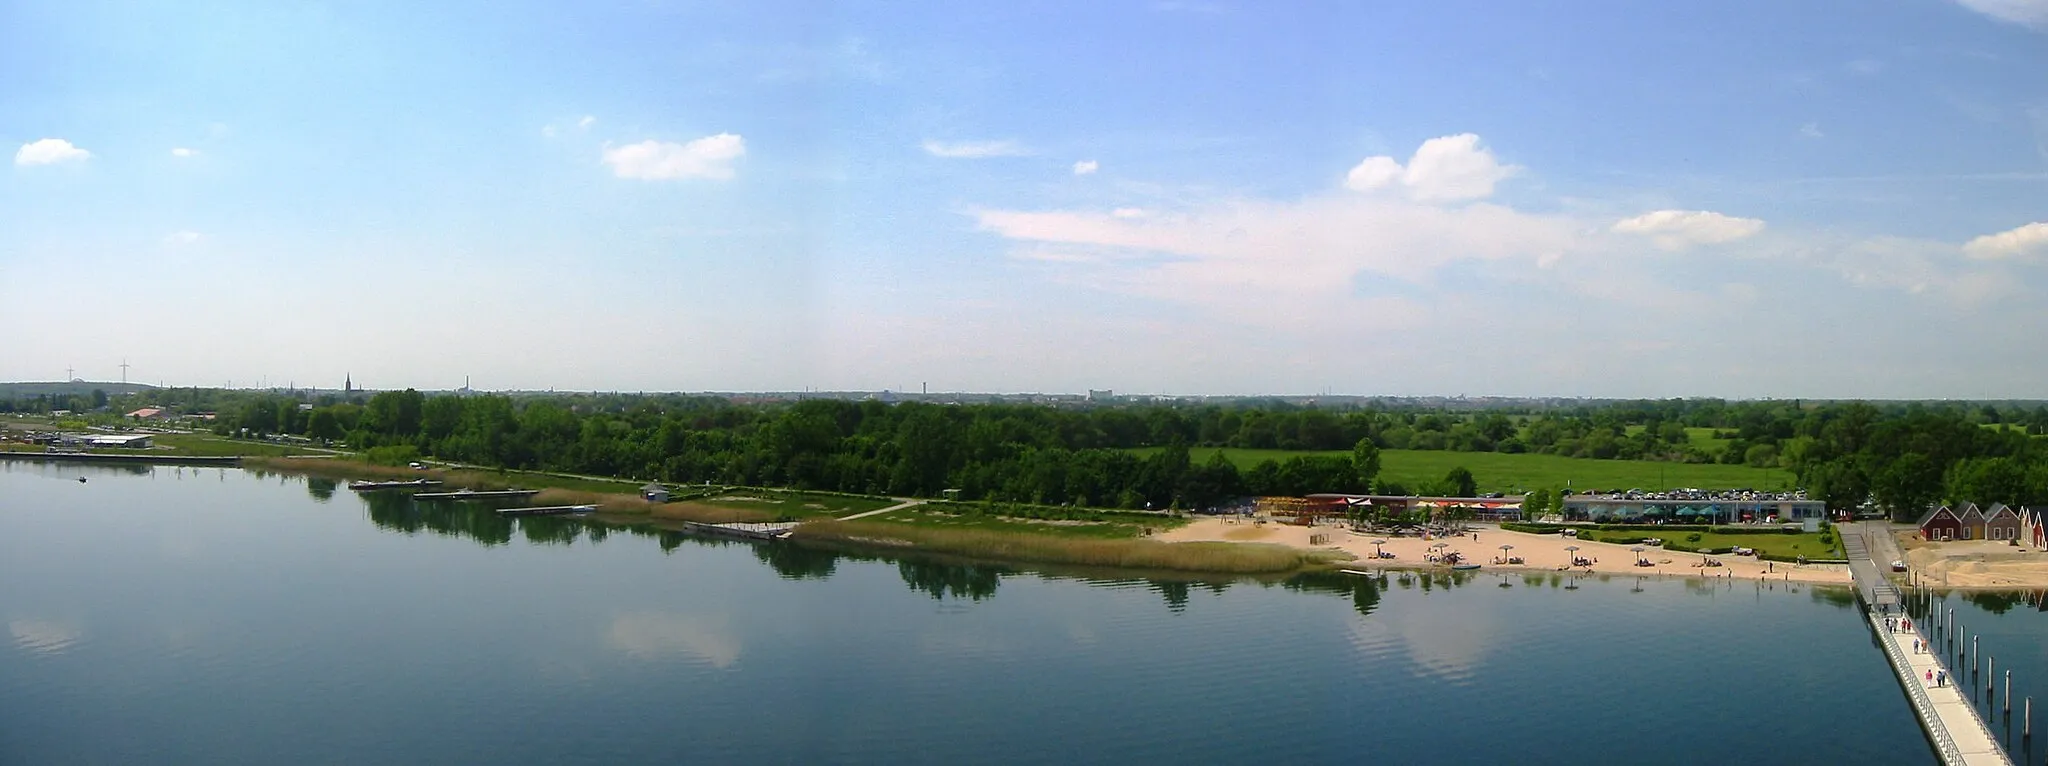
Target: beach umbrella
(1638,550)
(1376,547)
(1573,552)
(1504,553)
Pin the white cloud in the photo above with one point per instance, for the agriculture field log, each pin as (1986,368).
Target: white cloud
(184,152)
(1679,229)
(586,122)
(1084,167)
(1443,169)
(2033,13)
(2029,241)
(49,151)
(708,157)
(1373,173)
(973,149)
(1811,130)
(181,238)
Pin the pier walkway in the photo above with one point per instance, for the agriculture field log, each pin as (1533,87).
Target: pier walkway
(1958,734)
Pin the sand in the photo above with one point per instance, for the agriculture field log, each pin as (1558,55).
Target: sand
(1541,553)
(1974,563)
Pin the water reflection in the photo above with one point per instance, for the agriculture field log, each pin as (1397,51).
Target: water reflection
(44,636)
(399,513)
(321,487)
(796,562)
(1364,590)
(655,635)
(972,581)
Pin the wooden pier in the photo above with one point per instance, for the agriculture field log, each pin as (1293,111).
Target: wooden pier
(1950,719)
(100,457)
(472,494)
(743,529)
(547,510)
(370,486)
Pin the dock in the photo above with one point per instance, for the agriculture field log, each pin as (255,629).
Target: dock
(368,486)
(1949,718)
(99,457)
(744,529)
(547,510)
(471,494)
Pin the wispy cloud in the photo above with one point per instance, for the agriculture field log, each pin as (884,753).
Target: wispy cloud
(710,157)
(181,238)
(974,150)
(2032,13)
(1680,229)
(1811,130)
(1086,167)
(49,151)
(184,152)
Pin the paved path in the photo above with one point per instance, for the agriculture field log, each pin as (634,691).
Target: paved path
(1949,717)
(897,507)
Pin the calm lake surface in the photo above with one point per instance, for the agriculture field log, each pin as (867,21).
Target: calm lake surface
(168,615)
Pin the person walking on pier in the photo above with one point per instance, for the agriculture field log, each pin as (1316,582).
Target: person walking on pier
(1930,676)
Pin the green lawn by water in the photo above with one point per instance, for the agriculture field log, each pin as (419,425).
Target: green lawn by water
(1503,472)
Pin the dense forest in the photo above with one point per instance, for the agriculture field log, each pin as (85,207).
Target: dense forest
(1899,456)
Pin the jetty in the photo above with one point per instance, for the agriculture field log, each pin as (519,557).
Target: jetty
(751,530)
(475,494)
(1949,718)
(101,457)
(547,510)
(368,486)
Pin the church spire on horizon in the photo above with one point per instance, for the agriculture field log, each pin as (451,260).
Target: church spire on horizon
(348,383)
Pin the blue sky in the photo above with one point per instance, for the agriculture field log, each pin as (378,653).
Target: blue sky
(1728,198)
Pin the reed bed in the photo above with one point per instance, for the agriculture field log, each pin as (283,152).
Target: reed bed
(1222,558)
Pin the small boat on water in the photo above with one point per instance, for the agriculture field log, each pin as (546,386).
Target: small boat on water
(365,486)
(1464,567)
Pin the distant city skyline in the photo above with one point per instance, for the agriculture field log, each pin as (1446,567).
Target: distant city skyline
(1742,199)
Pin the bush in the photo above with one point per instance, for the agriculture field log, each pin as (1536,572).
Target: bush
(1693,538)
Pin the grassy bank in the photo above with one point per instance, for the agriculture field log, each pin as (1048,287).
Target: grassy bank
(1006,545)
(1506,472)
(1771,544)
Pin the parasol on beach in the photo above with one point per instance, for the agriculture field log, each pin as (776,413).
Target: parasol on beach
(1638,551)
(1573,552)
(1504,553)
(1376,548)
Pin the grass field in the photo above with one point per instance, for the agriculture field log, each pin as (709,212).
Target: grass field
(206,445)
(967,516)
(1783,546)
(775,503)
(1503,472)
(1034,546)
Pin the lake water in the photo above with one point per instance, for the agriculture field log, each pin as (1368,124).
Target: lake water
(179,615)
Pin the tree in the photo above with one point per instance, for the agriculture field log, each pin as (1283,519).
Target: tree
(1907,485)
(1365,461)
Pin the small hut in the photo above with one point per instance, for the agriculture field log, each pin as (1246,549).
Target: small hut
(2001,523)
(1940,524)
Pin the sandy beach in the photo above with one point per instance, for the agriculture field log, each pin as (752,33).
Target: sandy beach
(1482,546)
(1974,563)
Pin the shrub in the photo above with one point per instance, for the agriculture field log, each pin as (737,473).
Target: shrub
(1693,538)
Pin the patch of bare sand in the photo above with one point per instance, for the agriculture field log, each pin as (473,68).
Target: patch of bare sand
(1974,563)
(1483,546)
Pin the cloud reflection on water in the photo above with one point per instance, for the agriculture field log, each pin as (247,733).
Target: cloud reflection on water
(45,637)
(652,635)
